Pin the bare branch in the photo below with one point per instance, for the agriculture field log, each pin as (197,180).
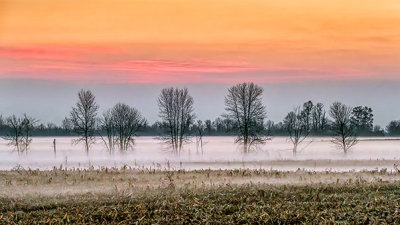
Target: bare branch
(244,108)
(345,136)
(176,111)
(83,118)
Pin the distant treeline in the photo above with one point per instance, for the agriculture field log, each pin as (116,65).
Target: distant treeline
(245,117)
(362,119)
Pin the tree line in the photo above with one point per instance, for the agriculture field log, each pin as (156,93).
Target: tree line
(244,116)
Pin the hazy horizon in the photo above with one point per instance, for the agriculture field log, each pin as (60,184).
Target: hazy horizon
(51,101)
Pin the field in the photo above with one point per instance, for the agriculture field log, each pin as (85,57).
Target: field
(127,196)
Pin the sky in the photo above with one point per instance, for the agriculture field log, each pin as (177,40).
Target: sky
(128,50)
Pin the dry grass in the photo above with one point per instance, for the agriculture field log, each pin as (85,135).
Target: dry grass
(19,183)
(205,196)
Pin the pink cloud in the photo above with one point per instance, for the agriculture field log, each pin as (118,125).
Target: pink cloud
(85,64)
(98,64)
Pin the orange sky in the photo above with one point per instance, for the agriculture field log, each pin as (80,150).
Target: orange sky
(199,40)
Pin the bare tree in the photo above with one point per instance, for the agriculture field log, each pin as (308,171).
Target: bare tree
(319,120)
(127,122)
(307,112)
(345,136)
(243,105)
(107,125)
(297,124)
(176,111)
(28,124)
(199,129)
(14,136)
(20,134)
(83,118)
